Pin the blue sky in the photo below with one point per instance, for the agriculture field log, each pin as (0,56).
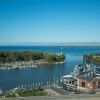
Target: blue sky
(48,21)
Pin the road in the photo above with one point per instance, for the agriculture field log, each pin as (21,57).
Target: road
(68,97)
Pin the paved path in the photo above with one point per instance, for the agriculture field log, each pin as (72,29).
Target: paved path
(58,90)
(51,92)
(69,97)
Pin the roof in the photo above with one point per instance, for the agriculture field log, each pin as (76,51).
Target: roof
(67,76)
(86,78)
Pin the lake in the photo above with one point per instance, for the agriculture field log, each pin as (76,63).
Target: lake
(12,78)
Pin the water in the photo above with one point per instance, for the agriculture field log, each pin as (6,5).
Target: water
(14,77)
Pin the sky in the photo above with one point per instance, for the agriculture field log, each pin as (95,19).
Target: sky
(49,21)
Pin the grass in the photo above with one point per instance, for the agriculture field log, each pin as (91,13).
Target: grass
(33,92)
(36,91)
(11,95)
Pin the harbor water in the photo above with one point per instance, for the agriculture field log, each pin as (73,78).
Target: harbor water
(11,78)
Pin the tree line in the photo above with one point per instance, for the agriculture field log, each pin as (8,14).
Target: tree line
(8,57)
(92,58)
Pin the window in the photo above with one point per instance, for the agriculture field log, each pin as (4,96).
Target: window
(83,84)
(94,83)
(98,84)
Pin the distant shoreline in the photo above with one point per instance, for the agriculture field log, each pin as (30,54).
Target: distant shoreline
(80,46)
(45,46)
(65,44)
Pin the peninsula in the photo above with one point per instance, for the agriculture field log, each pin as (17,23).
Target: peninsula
(28,59)
(92,58)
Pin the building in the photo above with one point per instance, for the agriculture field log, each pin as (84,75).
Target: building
(84,78)
(70,83)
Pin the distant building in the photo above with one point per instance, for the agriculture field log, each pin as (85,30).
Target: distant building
(84,78)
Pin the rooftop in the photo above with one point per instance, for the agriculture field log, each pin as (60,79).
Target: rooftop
(67,76)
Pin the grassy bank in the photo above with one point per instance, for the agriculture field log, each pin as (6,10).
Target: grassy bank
(36,91)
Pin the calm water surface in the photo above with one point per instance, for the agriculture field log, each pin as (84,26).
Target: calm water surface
(14,77)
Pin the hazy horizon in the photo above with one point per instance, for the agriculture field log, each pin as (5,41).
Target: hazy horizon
(54,44)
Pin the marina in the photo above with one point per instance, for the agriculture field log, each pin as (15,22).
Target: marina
(11,78)
(49,49)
